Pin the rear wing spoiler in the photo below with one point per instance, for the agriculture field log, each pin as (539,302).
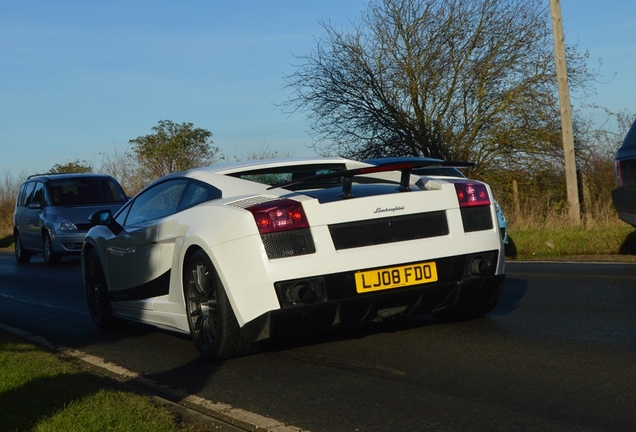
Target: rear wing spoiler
(403,164)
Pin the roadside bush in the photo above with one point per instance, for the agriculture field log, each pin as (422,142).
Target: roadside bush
(8,192)
(539,200)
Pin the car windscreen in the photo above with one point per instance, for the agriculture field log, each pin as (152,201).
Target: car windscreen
(85,191)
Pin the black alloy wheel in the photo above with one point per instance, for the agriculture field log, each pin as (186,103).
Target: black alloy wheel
(97,290)
(213,325)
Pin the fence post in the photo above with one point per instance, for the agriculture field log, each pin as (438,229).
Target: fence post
(515,199)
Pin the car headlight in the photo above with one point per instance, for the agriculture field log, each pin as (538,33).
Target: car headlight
(63,224)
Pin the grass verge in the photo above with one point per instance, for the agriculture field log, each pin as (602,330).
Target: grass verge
(614,242)
(6,240)
(41,392)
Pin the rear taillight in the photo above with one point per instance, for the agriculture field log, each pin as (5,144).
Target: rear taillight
(619,174)
(281,215)
(471,194)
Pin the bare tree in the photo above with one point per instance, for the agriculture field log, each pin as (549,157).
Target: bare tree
(453,79)
(8,192)
(124,168)
(264,151)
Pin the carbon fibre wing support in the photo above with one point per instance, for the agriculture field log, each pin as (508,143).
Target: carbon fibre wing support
(403,164)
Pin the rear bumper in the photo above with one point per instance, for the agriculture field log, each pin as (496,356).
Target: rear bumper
(625,204)
(340,305)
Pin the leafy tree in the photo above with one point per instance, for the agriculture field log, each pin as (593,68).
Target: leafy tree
(72,167)
(172,148)
(454,79)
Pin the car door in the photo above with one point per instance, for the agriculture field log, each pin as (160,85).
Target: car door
(136,269)
(31,230)
(22,209)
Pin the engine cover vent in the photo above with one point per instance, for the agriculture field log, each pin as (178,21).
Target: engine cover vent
(389,230)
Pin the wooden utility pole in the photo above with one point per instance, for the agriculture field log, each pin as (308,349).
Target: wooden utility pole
(566,114)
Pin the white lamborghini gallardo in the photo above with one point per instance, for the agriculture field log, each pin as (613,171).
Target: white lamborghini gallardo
(236,254)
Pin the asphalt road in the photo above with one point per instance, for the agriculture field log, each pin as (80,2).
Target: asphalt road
(558,354)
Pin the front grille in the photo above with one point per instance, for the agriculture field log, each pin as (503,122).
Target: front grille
(73,246)
(389,230)
(476,218)
(288,243)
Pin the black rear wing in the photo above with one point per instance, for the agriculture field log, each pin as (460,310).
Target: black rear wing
(403,164)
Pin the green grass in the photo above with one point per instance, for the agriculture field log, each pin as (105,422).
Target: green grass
(6,240)
(614,242)
(41,392)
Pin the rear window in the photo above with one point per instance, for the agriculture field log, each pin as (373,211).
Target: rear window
(85,191)
(627,151)
(630,139)
(280,175)
(438,171)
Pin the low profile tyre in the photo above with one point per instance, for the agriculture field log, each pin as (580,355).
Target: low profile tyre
(97,291)
(213,325)
(50,257)
(21,255)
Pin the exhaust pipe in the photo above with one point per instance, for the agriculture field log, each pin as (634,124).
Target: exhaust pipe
(303,292)
(479,266)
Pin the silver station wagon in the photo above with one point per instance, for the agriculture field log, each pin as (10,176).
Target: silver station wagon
(52,210)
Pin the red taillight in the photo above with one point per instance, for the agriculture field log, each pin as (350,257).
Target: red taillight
(619,174)
(472,194)
(281,215)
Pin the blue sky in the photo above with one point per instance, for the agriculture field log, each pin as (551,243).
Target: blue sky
(78,79)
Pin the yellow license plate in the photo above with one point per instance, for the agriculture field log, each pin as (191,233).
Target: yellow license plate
(396,277)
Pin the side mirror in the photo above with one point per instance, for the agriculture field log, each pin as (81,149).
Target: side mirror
(102,217)
(105,218)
